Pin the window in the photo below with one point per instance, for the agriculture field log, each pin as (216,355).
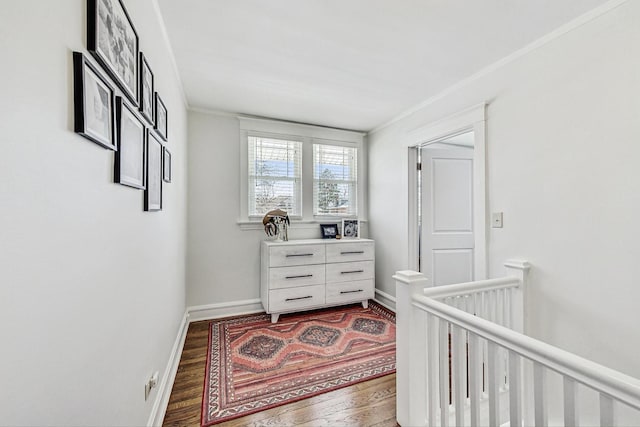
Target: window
(335,180)
(314,173)
(275,175)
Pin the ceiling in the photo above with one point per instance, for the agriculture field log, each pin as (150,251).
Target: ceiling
(352,64)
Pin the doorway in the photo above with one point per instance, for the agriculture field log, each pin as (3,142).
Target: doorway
(447,206)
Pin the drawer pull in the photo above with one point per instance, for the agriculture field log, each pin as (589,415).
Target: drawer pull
(351,292)
(351,252)
(295,299)
(293,255)
(352,271)
(299,277)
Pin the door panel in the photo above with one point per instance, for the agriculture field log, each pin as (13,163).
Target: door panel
(452,195)
(447,241)
(452,266)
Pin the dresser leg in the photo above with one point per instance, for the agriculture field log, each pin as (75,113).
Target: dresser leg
(365,304)
(274,317)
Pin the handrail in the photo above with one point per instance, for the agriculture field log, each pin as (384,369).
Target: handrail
(470,287)
(619,386)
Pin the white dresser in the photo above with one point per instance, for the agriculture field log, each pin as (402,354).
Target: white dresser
(307,274)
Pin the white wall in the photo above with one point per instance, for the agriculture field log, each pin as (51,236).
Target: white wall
(92,289)
(563,145)
(223,258)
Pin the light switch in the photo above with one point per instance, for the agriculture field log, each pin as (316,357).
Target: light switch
(496,220)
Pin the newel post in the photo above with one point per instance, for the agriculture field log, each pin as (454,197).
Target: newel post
(520,270)
(410,349)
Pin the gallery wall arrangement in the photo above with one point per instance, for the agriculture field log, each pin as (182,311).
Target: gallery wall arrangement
(121,111)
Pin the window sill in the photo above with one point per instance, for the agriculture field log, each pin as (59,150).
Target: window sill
(295,224)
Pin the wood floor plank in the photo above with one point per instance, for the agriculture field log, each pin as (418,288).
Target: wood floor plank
(367,404)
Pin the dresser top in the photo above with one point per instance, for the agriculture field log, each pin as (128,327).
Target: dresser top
(315,242)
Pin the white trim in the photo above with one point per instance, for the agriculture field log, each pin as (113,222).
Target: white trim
(166,385)
(300,129)
(172,57)
(559,32)
(385,300)
(459,122)
(295,224)
(470,119)
(224,309)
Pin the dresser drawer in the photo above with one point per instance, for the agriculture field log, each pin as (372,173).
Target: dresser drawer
(358,290)
(347,252)
(282,256)
(301,275)
(291,299)
(349,271)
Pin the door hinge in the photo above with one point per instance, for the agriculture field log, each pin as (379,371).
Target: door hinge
(419,166)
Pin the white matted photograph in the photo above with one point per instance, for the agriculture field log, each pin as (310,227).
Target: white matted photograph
(350,228)
(129,164)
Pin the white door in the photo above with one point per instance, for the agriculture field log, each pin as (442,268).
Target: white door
(447,241)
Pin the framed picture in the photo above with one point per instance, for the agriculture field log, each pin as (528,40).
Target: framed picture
(146,89)
(350,228)
(131,136)
(153,192)
(166,165)
(329,231)
(161,118)
(113,41)
(93,103)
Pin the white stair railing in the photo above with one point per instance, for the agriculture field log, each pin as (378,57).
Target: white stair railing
(462,359)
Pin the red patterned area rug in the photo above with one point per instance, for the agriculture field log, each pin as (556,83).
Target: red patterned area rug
(253,365)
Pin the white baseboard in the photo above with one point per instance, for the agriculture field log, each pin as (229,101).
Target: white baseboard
(385,300)
(166,385)
(233,308)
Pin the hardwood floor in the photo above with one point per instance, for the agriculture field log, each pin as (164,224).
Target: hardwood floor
(370,403)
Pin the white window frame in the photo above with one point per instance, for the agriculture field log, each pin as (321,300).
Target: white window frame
(309,135)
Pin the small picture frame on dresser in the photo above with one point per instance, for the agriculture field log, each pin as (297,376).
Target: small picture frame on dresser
(350,228)
(329,231)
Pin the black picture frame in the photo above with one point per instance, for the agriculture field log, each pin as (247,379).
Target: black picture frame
(93,103)
(129,166)
(153,192)
(329,231)
(113,41)
(146,90)
(166,165)
(161,118)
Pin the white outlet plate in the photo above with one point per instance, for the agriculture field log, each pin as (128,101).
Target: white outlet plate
(153,382)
